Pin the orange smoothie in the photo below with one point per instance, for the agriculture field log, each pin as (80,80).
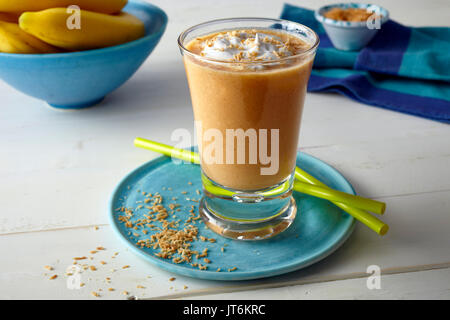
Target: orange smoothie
(249,79)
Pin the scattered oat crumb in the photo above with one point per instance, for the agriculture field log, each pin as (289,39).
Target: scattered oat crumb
(140,286)
(53,277)
(93,252)
(232,269)
(185,287)
(125,293)
(102,262)
(93,268)
(48,268)
(100,248)
(111,289)
(95,294)
(82,284)
(96,228)
(79,258)
(173,242)
(218,270)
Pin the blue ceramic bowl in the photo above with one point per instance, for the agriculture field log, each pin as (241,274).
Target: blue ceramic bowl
(351,36)
(81,79)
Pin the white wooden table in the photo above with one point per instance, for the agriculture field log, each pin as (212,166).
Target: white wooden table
(57,171)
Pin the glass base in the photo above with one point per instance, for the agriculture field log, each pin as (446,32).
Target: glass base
(244,230)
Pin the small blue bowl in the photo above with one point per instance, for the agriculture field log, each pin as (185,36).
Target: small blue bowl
(82,79)
(351,36)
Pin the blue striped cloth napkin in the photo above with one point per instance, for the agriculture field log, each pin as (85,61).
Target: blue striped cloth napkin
(405,69)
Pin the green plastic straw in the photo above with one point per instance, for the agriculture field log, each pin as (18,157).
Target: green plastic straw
(324,192)
(372,222)
(305,183)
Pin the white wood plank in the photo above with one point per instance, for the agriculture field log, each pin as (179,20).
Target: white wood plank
(397,166)
(69,179)
(418,239)
(422,285)
(24,257)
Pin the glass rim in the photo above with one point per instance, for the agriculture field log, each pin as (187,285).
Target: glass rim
(183,35)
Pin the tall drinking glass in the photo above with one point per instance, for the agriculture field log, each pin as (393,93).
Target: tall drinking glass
(247,78)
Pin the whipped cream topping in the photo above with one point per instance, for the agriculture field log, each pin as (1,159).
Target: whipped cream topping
(245,46)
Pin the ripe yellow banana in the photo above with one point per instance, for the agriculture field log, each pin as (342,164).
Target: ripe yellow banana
(9,17)
(104,6)
(15,40)
(97,30)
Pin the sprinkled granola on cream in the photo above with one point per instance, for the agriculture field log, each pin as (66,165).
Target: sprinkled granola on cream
(249,45)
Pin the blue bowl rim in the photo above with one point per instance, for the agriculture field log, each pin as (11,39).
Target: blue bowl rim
(100,51)
(318,14)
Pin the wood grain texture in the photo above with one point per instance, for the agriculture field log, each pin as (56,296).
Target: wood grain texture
(58,170)
(399,286)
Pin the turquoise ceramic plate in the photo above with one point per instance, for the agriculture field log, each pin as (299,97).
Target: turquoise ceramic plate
(319,229)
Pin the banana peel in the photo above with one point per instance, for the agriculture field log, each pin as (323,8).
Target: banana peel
(15,40)
(97,30)
(9,17)
(103,6)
